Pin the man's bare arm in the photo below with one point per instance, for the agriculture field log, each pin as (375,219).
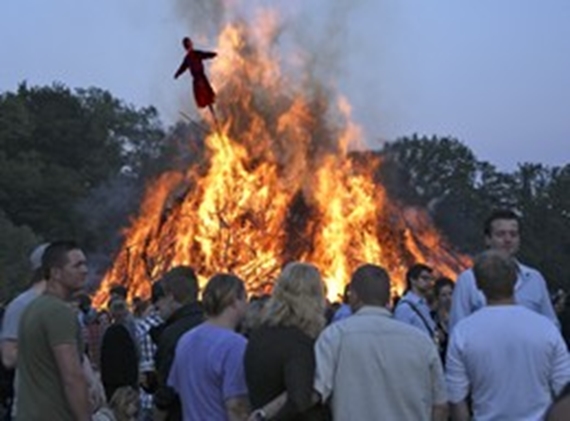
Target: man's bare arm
(272,408)
(237,408)
(74,382)
(459,411)
(440,412)
(9,353)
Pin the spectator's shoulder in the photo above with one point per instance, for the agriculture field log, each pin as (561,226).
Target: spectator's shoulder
(530,272)
(335,329)
(466,277)
(416,338)
(540,321)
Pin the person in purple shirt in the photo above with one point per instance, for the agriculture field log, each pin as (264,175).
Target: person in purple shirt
(208,370)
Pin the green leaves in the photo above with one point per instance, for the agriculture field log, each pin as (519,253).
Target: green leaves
(56,147)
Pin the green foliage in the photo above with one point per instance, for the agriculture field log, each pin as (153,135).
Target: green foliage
(15,245)
(57,147)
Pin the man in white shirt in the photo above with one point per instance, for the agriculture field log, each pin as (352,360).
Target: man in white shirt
(510,359)
(502,234)
(373,367)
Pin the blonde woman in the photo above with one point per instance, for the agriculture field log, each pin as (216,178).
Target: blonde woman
(279,358)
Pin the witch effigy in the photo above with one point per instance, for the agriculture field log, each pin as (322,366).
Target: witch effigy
(204,94)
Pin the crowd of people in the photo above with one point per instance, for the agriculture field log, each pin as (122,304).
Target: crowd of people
(486,347)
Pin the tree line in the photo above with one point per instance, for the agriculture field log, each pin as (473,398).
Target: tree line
(73,164)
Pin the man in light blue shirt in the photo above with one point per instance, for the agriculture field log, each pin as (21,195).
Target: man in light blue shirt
(502,234)
(413,308)
(509,358)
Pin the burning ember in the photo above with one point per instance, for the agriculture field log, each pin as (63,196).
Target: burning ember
(279,185)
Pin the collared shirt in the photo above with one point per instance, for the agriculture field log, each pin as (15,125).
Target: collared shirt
(377,368)
(404,312)
(342,313)
(510,359)
(146,344)
(147,349)
(530,291)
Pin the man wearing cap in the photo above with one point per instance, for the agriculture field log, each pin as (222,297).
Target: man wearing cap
(9,339)
(147,348)
(17,307)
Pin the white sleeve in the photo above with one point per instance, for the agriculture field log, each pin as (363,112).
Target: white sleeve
(462,299)
(456,371)
(437,378)
(326,356)
(560,375)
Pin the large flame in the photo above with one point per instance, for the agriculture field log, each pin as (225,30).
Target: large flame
(280,184)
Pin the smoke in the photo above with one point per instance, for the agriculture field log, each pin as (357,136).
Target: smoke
(203,18)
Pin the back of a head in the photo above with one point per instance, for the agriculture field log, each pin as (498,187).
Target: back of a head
(298,299)
(156,292)
(36,263)
(221,292)
(299,280)
(118,309)
(55,256)
(495,274)
(372,285)
(182,283)
(119,291)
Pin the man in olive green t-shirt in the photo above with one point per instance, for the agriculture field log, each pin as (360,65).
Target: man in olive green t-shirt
(52,385)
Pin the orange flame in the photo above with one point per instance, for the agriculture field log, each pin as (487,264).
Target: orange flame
(280,185)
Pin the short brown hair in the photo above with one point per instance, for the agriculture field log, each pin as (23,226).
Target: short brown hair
(372,285)
(220,292)
(495,274)
(507,214)
(182,283)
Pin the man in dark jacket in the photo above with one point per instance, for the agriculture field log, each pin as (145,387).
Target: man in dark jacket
(181,312)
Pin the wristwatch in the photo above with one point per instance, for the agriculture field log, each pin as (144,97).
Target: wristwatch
(260,415)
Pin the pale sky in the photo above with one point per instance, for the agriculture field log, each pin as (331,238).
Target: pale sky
(493,73)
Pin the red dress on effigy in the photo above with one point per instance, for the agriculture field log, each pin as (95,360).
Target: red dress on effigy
(203,92)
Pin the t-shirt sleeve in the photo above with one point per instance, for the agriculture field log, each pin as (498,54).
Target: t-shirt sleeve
(560,359)
(61,326)
(456,371)
(326,351)
(438,385)
(12,320)
(234,384)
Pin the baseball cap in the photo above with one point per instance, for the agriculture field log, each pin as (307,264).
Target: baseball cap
(36,256)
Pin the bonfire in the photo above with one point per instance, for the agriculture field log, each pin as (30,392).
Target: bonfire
(280,182)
